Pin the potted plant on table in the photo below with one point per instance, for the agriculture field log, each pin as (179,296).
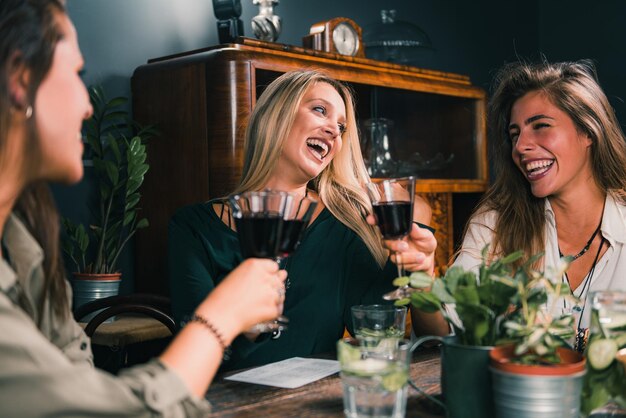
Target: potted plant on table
(481,302)
(535,372)
(499,305)
(119,162)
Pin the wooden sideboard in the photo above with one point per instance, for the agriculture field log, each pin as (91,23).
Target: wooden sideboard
(201,101)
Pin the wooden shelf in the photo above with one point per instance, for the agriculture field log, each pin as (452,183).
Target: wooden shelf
(201,102)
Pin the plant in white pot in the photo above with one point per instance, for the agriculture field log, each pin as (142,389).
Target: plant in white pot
(117,148)
(535,372)
(502,304)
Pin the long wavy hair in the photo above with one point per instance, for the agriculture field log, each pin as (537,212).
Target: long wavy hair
(28,37)
(572,87)
(340,184)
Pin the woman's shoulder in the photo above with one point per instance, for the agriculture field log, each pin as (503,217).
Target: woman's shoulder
(483,218)
(196,214)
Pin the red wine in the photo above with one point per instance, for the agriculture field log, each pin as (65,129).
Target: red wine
(259,234)
(393,219)
(290,237)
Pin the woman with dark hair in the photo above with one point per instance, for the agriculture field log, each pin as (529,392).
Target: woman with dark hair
(46,363)
(560,183)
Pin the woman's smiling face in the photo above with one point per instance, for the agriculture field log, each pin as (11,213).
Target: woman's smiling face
(546,146)
(62,103)
(315,136)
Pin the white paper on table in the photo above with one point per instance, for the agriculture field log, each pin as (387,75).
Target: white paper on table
(289,374)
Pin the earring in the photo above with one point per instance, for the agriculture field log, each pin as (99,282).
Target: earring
(29,112)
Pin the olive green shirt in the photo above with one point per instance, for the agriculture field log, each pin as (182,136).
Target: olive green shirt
(46,366)
(330,271)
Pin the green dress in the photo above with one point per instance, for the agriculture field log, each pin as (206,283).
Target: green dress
(329,272)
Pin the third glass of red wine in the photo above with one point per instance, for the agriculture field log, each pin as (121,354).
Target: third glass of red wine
(392,202)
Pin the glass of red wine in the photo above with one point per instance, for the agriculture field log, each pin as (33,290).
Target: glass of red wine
(298,213)
(259,219)
(392,202)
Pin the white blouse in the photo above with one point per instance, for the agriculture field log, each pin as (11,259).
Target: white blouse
(609,272)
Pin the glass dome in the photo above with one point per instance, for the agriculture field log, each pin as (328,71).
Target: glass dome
(397,41)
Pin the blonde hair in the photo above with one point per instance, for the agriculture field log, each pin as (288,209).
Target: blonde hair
(572,87)
(340,184)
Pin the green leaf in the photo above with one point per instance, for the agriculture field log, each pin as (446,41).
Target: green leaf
(117,101)
(143,223)
(112,172)
(131,201)
(133,185)
(401,281)
(512,257)
(82,239)
(115,148)
(425,301)
(420,280)
(129,217)
(467,295)
(439,290)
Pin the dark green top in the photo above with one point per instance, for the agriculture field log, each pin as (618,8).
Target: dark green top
(330,271)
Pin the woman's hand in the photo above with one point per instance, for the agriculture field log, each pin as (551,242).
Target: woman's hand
(416,253)
(253,292)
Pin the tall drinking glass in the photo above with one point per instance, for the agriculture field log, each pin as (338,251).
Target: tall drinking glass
(392,202)
(604,388)
(374,377)
(259,218)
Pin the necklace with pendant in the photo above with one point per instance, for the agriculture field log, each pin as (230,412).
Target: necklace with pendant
(586,247)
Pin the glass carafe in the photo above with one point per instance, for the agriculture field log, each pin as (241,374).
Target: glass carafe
(380,161)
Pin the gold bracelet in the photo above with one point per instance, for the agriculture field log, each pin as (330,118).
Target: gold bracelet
(210,327)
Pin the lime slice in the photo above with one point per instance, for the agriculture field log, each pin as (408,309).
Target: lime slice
(601,353)
(395,380)
(617,322)
(367,367)
(347,353)
(394,332)
(367,332)
(620,340)
(387,344)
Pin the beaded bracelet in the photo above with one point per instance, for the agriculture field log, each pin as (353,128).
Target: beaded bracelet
(210,327)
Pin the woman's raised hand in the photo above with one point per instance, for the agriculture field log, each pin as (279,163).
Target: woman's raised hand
(417,253)
(251,293)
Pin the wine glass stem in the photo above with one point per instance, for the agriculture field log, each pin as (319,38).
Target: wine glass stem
(399,264)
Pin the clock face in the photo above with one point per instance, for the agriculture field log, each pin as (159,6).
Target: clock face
(345,39)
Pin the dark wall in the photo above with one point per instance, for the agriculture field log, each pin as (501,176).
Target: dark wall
(470,37)
(589,29)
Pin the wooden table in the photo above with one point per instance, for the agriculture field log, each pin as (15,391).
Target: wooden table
(322,398)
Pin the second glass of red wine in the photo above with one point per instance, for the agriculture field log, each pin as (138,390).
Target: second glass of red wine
(298,213)
(392,202)
(259,219)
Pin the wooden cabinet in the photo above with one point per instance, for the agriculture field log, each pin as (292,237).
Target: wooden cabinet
(201,102)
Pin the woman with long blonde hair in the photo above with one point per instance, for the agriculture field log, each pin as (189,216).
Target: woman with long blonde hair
(302,137)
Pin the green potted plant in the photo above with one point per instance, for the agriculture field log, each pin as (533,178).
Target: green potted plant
(498,306)
(481,302)
(116,145)
(535,372)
